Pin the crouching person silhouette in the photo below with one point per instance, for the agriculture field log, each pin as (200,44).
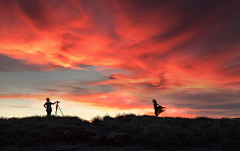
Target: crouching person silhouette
(158,108)
(48,107)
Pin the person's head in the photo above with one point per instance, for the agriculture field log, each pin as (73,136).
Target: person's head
(48,99)
(154,101)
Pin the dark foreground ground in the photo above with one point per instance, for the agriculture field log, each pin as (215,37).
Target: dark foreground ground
(124,132)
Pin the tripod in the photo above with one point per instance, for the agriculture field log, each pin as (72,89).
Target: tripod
(57,106)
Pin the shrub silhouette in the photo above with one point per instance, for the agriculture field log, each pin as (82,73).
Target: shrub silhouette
(96,120)
(107,118)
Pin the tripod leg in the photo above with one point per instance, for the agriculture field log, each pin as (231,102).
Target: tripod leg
(60,110)
(56,110)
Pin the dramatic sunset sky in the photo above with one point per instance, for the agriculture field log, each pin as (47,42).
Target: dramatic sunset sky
(114,56)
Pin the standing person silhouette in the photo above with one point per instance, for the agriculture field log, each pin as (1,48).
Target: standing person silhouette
(48,107)
(158,108)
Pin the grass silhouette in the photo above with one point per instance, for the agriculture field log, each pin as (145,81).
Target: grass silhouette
(164,133)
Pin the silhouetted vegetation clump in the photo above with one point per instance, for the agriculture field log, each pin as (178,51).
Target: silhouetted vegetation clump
(149,131)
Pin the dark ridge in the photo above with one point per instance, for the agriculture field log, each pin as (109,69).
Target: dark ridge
(165,133)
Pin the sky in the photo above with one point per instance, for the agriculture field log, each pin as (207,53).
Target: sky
(111,57)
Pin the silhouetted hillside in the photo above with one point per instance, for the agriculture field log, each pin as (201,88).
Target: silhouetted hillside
(124,130)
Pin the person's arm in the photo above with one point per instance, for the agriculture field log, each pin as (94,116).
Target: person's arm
(45,105)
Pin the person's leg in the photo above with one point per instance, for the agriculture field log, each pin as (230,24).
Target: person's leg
(156,112)
(49,113)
